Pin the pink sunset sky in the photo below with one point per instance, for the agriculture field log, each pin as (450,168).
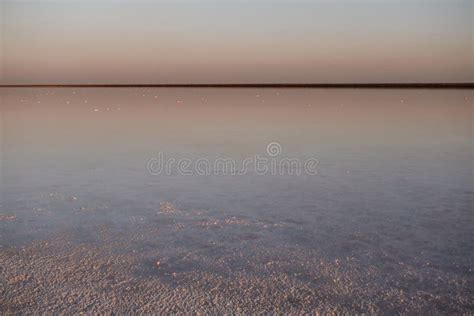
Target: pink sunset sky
(235,41)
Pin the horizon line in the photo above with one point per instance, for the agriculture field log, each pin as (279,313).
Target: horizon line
(437,85)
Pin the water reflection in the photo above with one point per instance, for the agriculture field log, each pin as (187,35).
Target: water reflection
(385,225)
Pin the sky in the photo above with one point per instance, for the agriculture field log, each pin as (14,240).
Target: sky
(235,41)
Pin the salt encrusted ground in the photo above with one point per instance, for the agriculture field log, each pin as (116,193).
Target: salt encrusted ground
(213,265)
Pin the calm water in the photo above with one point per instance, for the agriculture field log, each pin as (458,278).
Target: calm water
(384,226)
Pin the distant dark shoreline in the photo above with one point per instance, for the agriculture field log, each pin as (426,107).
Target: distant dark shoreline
(467,85)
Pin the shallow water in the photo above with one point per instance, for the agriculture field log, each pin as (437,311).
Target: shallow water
(384,226)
